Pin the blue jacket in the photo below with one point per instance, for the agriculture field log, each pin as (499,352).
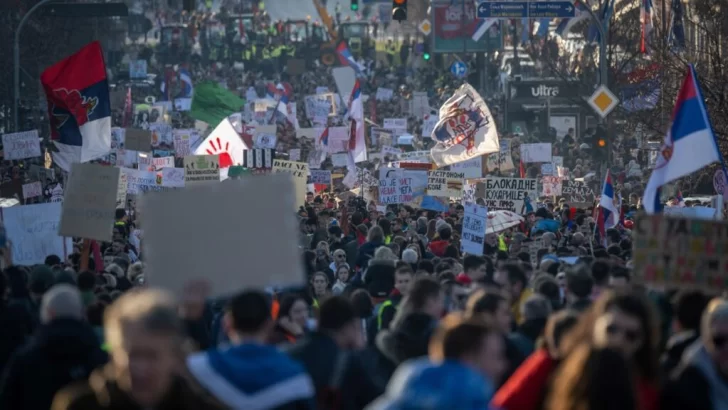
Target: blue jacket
(421,384)
(253,377)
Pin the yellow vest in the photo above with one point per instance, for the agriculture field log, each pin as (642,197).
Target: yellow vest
(381,312)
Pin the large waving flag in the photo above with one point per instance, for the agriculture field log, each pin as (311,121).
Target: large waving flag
(225,142)
(483,27)
(605,17)
(465,130)
(608,216)
(357,144)
(79,107)
(689,144)
(347,59)
(677,33)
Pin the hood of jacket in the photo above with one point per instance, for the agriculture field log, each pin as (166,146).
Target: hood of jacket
(409,340)
(438,247)
(421,384)
(62,338)
(240,376)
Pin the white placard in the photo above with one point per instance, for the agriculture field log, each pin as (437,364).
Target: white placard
(32,190)
(445,183)
(121,191)
(384,94)
(429,125)
(21,145)
(173,177)
(33,229)
(540,152)
(320,176)
(89,204)
(510,194)
(471,168)
(475,220)
(227,210)
(551,186)
(294,154)
(395,124)
(503,160)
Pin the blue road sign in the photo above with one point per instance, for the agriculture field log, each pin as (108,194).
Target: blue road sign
(526,9)
(459,69)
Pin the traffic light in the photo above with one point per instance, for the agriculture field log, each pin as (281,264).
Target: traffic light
(354,5)
(399,10)
(600,146)
(426,50)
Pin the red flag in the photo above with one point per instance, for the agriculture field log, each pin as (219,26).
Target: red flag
(522,169)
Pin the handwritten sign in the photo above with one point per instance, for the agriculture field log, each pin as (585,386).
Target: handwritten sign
(182,143)
(121,191)
(510,194)
(172,177)
(34,232)
(415,156)
(202,169)
(576,192)
(395,188)
(540,152)
(320,176)
(503,160)
(137,140)
(89,204)
(299,172)
(471,168)
(395,124)
(475,220)
(384,94)
(138,69)
(32,190)
(551,186)
(42,174)
(445,183)
(21,145)
(680,252)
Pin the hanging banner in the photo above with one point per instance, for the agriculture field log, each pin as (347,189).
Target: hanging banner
(510,194)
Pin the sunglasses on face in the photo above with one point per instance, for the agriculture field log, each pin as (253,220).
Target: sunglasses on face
(340,256)
(630,335)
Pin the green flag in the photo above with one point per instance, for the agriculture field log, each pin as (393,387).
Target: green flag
(212,103)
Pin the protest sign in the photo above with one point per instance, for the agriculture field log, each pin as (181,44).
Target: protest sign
(394,187)
(429,125)
(551,186)
(138,69)
(21,145)
(294,154)
(415,156)
(693,212)
(576,192)
(475,219)
(445,183)
(121,191)
(547,169)
(510,194)
(299,173)
(395,124)
(89,204)
(720,183)
(471,168)
(320,176)
(34,232)
(339,160)
(172,177)
(419,104)
(201,169)
(389,153)
(380,137)
(137,140)
(557,161)
(42,174)
(139,180)
(540,152)
(226,211)
(265,136)
(183,141)
(503,160)
(258,158)
(680,252)
(32,190)
(384,94)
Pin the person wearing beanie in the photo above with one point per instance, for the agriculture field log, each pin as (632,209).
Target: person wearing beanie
(410,256)
(444,233)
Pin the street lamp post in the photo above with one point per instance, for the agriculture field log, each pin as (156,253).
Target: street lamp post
(16,62)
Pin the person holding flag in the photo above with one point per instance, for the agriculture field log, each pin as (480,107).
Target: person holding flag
(689,144)
(357,144)
(608,210)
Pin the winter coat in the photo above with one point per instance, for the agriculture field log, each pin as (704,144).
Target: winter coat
(366,252)
(16,322)
(674,350)
(379,277)
(526,388)
(102,392)
(695,384)
(59,353)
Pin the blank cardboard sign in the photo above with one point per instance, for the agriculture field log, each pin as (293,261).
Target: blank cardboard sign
(238,235)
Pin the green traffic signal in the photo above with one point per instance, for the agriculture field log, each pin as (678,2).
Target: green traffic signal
(354,7)
(426,56)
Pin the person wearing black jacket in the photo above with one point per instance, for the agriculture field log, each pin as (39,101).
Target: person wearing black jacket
(62,350)
(688,306)
(338,376)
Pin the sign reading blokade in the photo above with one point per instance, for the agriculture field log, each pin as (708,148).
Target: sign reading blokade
(680,252)
(510,194)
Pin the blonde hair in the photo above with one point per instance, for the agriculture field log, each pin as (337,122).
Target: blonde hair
(152,310)
(716,310)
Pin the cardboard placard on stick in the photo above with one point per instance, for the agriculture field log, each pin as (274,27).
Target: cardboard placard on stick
(138,140)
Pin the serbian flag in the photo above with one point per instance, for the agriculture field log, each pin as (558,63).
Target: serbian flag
(347,59)
(79,107)
(324,138)
(608,212)
(689,144)
(357,145)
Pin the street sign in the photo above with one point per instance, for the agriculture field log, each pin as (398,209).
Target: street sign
(603,101)
(459,69)
(526,9)
(425,27)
